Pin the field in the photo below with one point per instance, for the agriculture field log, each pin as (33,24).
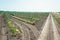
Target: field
(29,17)
(57,17)
(22,25)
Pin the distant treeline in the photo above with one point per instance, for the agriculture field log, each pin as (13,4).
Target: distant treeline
(13,12)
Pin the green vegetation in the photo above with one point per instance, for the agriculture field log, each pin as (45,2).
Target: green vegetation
(57,17)
(29,17)
(14,30)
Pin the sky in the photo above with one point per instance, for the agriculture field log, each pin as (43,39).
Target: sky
(30,5)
